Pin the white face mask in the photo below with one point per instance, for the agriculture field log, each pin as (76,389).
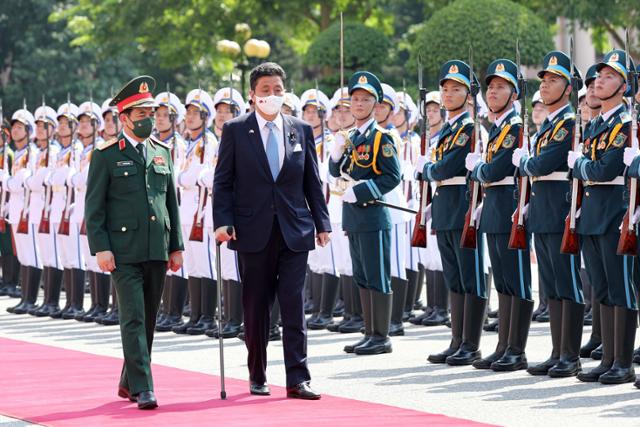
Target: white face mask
(269,105)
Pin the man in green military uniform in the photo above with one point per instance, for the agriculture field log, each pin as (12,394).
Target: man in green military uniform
(366,160)
(133,228)
(10,266)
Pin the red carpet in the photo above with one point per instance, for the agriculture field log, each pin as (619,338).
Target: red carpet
(59,387)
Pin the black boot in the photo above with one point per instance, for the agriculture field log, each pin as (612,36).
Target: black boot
(379,342)
(607,329)
(422,279)
(440,314)
(367,315)
(542,304)
(77,294)
(457,322)
(596,338)
(555,325)
(572,322)
(103,287)
(330,289)
(474,314)
(356,322)
(53,286)
(316,295)
(625,323)
(66,284)
(504,309)
(31,289)
(345,285)
(232,311)
(195,292)
(208,301)
(10,275)
(514,357)
(399,288)
(427,277)
(175,302)
(93,291)
(111,318)
(412,287)
(45,282)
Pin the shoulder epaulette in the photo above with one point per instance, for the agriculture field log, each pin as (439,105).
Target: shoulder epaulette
(107,144)
(625,117)
(516,120)
(569,116)
(467,121)
(157,141)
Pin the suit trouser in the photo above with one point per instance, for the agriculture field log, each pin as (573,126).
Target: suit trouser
(511,268)
(463,268)
(611,275)
(71,249)
(371,259)
(49,245)
(398,250)
(139,288)
(27,249)
(559,273)
(275,270)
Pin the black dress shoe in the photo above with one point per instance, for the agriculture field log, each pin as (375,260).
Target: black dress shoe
(597,353)
(351,326)
(441,357)
(438,317)
(146,400)
(543,317)
(637,383)
(492,314)
(259,389)
(618,375)
(302,391)
(182,329)
(417,319)
(375,345)
(510,362)
(636,356)
(396,329)
(110,319)
(463,357)
(565,368)
(491,326)
(335,326)
(485,362)
(588,318)
(543,368)
(592,344)
(274,334)
(593,375)
(123,392)
(169,323)
(350,348)
(320,322)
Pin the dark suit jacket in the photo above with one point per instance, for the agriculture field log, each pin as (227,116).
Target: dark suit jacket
(246,196)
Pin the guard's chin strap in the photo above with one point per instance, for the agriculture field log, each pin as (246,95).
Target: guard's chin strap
(464,103)
(504,107)
(560,97)
(615,92)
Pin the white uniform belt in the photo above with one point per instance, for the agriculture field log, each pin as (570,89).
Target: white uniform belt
(456,180)
(58,188)
(504,181)
(619,180)
(554,176)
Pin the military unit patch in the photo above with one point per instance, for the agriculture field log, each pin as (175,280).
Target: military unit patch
(560,134)
(387,150)
(508,141)
(619,140)
(461,141)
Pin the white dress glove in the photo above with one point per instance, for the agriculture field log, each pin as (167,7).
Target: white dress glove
(472,161)
(338,146)
(517,155)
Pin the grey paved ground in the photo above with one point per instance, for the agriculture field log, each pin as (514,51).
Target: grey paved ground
(402,378)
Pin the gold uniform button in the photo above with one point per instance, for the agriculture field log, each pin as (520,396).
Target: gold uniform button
(153,218)
(148,186)
(587,193)
(124,229)
(126,174)
(533,194)
(436,193)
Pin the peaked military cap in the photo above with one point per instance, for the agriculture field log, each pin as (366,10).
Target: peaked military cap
(592,72)
(367,81)
(136,93)
(558,63)
(458,71)
(617,59)
(504,69)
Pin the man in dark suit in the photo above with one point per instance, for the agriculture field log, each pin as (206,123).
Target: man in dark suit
(267,188)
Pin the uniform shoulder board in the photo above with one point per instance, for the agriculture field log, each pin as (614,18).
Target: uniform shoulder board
(625,117)
(569,116)
(467,120)
(107,144)
(516,120)
(157,141)
(381,129)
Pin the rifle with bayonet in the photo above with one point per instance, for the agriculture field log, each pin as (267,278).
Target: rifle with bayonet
(4,135)
(45,224)
(65,221)
(23,224)
(197,229)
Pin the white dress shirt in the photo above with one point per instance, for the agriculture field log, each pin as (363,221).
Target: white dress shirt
(279,132)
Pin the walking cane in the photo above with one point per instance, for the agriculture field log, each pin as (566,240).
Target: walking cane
(223,392)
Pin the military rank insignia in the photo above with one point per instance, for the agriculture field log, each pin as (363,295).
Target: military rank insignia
(508,141)
(560,134)
(387,150)
(462,139)
(363,152)
(619,140)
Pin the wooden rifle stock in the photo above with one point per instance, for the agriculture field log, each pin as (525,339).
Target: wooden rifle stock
(197,229)
(518,237)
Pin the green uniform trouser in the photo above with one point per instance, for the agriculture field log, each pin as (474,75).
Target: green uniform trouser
(6,246)
(371,259)
(139,288)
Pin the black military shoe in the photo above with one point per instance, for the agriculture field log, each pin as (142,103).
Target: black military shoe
(442,356)
(597,353)
(510,362)
(566,368)
(146,400)
(618,375)
(259,389)
(486,362)
(594,374)
(592,344)
(543,368)
(463,357)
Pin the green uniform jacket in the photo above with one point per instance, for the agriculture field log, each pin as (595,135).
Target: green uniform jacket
(131,208)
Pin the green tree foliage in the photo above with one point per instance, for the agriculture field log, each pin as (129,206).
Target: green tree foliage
(365,48)
(489,27)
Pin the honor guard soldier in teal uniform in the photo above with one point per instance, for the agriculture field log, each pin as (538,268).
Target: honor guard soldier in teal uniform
(367,161)
(463,268)
(600,167)
(511,268)
(548,209)
(133,227)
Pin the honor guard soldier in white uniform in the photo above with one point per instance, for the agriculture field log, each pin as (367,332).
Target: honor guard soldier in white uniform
(168,117)
(22,132)
(202,147)
(40,206)
(291,105)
